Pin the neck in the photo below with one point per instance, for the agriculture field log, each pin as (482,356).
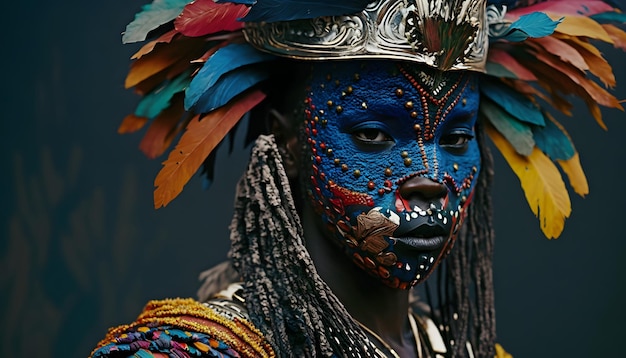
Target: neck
(380,308)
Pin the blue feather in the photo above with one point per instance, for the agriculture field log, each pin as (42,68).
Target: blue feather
(150,17)
(287,10)
(517,133)
(554,141)
(228,86)
(223,60)
(536,24)
(513,102)
(159,99)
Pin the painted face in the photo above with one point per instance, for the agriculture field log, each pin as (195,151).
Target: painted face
(393,162)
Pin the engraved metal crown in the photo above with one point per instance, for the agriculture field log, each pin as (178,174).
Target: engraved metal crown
(448,35)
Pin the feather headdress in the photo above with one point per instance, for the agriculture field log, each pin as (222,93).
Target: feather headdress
(198,75)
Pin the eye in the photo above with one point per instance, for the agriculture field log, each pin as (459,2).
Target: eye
(455,142)
(371,136)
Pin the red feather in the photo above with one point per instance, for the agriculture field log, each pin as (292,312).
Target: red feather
(501,57)
(203,17)
(195,145)
(563,7)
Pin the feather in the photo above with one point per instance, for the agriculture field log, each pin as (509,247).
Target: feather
(150,17)
(575,174)
(597,64)
(203,17)
(582,26)
(580,80)
(197,142)
(517,133)
(152,104)
(228,86)
(542,184)
(287,10)
(131,123)
(533,25)
(617,35)
(224,60)
(503,58)
(563,50)
(147,48)
(155,141)
(516,104)
(244,2)
(565,7)
(554,140)
(163,57)
(609,16)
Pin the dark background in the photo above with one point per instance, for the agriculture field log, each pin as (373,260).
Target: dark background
(83,249)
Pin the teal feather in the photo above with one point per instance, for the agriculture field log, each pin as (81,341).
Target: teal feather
(497,70)
(151,17)
(517,133)
(554,141)
(609,16)
(513,102)
(536,24)
(159,99)
(287,10)
(223,61)
(228,86)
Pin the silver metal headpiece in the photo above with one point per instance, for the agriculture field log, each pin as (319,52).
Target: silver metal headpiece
(445,34)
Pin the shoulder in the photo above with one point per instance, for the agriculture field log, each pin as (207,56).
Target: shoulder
(187,328)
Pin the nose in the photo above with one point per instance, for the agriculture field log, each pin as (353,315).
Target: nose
(420,188)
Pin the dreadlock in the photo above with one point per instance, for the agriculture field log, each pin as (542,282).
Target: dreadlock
(464,308)
(286,298)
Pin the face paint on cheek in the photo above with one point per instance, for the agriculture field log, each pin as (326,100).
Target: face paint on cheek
(372,134)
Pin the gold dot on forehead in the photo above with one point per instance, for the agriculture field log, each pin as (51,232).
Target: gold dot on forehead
(337,161)
(464,101)
(344,167)
(364,105)
(455,166)
(357,76)
(413,114)
(349,89)
(408,162)
(388,172)
(417,127)
(356,173)
(399,92)
(408,105)
(329,103)
(404,154)
(339,109)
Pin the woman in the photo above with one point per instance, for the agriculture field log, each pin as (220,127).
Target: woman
(382,145)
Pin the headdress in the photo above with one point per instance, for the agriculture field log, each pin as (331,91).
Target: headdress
(200,72)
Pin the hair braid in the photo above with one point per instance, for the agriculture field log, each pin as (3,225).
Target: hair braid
(286,298)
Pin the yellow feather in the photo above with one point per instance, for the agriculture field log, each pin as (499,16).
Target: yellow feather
(575,174)
(584,26)
(542,184)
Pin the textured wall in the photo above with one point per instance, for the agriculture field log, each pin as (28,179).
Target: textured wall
(82,248)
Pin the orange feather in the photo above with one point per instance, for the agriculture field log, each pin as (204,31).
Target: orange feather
(542,184)
(147,48)
(617,35)
(195,145)
(162,57)
(131,123)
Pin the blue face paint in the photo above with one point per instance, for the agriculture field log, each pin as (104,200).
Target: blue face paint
(393,162)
